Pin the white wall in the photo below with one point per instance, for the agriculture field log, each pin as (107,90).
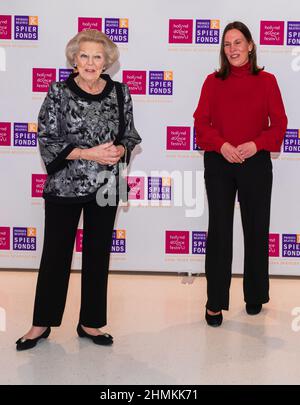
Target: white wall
(148,49)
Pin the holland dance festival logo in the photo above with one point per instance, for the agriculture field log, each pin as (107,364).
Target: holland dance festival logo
(89,23)
(5,26)
(137,187)
(4,238)
(271,32)
(180,31)
(38,184)
(274,245)
(42,78)
(135,80)
(5,134)
(178,138)
(177,242)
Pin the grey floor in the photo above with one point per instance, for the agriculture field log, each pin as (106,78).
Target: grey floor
(160,335)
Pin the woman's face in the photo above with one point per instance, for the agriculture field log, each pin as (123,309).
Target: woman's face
(236,47)
(90,60)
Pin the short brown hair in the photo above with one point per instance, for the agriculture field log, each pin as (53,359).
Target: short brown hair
(111,51)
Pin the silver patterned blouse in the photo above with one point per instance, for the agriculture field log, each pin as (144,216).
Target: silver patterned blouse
(71,118)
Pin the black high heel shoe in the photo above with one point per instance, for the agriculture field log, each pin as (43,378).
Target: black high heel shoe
(213,320)
(104,340)
(25,344)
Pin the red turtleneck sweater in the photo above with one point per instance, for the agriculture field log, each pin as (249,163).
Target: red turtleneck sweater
(241,108)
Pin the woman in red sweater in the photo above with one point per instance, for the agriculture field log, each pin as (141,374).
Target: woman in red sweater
(239,120)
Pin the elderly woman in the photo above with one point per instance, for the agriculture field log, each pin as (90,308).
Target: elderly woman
(239,120)
(85,129)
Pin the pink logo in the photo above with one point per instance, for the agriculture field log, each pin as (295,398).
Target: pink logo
(42,78)
(79,238)
(136,81)
(180,31)
(137,188)
(178,138)
(37,184)
(5,134)
(177,242)
(5,26)
(89,23)
(274,244)
(4,238)
(271,32)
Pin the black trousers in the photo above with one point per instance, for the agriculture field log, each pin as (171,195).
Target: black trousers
(253,182)
(61,221)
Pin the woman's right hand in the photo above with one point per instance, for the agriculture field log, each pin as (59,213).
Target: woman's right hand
(231,154)
(105,154)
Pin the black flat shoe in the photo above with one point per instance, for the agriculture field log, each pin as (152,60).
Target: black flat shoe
(25,344)
(253,309)
(104,340)
(213,320)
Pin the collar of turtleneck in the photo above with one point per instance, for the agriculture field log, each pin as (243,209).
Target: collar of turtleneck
(73,86)
(240,71)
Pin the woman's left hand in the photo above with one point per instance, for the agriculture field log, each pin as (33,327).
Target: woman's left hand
(247,149)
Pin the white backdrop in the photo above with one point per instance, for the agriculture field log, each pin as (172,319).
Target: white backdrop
(165,63)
